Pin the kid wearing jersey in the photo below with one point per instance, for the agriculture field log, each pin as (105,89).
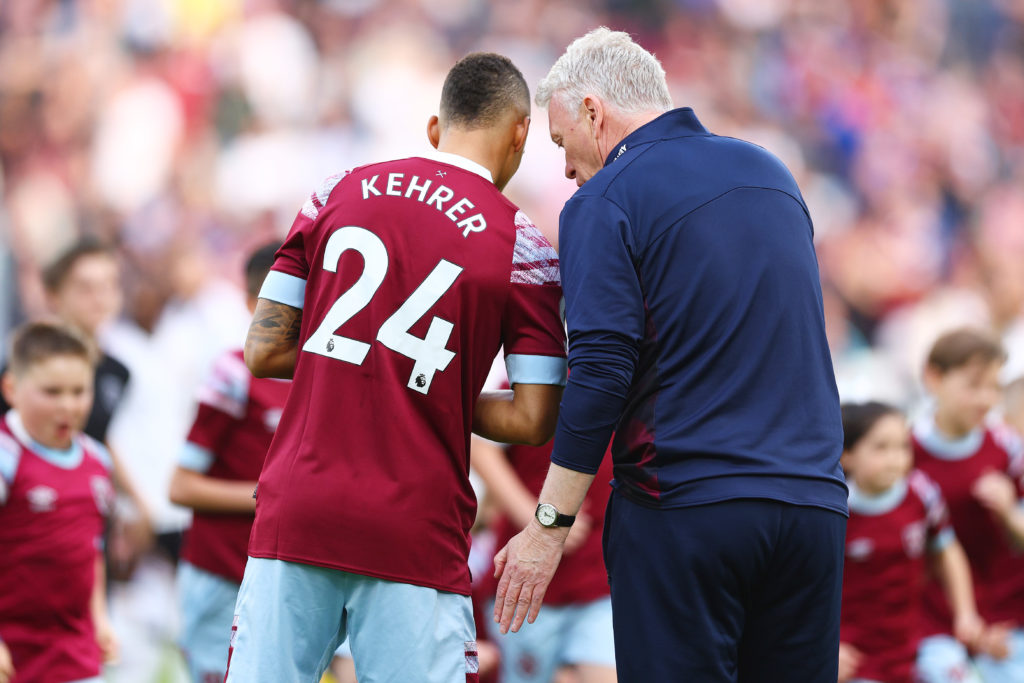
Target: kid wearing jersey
(55,492)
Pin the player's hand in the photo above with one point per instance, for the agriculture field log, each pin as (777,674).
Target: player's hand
(524,568)
(578,533)
(6,664)
(849,660)
(996,492)
(995,640)
(968,629)
(107,640)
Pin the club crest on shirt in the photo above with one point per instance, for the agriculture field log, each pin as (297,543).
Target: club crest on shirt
(860,549)
(102,493)
(914,535)
(41,498)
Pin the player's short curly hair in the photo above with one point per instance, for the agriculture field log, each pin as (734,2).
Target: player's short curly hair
(480,89)
(36,342)
(610,65)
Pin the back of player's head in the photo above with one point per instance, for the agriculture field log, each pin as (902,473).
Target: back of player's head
(37,342)
(962,347)
(610,65)
(481,89)
(859,418)
(56,274)
(257,267)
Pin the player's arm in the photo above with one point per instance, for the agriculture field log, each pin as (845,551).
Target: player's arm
(954,574)
(512,496)
(272,344)
(208,494)
(997,492)
(98,608)
(6,664)
(526,414)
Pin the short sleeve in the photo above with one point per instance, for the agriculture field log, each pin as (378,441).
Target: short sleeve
(10,456)
(533,333)
(286,281)
(223,403)
(939,528)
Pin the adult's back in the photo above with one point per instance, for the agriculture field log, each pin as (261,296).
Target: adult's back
(733,389)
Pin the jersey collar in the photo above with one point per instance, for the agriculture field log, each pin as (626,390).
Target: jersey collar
(878,504)
(460,161)
(941,446)
(676,123)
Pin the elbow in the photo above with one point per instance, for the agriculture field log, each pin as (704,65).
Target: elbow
(540,434)
(255,360)
(179,491)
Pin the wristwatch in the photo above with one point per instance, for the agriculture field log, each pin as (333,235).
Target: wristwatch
(548,516)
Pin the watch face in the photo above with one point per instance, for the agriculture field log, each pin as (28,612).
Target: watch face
(547,514)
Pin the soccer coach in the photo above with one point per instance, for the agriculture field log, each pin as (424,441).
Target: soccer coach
(696,333)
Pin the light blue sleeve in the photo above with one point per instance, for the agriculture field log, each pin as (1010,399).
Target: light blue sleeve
(284,289)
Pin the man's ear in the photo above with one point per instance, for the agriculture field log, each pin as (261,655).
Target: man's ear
(593,109)
(434,131)
(521,132)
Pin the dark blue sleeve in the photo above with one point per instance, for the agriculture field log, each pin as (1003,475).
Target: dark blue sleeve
(604,311)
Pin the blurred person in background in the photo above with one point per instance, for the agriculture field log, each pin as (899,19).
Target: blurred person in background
(899,529)
(215,478)
(55,492)
(980,472)
(83,289)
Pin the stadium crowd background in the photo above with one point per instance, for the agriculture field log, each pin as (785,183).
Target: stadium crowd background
(188,132)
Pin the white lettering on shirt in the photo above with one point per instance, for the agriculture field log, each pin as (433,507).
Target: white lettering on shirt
(368,187)
(438,199)
(394,180)
(441,195)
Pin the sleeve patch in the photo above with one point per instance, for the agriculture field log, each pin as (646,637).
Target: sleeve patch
(534,260)
(317,200)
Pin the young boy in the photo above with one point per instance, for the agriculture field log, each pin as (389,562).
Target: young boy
(977,470)
(54,493)
(216,477)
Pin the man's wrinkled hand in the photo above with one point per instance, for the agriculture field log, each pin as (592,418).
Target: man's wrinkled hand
(524,568)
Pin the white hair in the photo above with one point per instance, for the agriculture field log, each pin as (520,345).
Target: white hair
(610,65)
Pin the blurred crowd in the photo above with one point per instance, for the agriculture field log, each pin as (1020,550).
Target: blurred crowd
(188,132)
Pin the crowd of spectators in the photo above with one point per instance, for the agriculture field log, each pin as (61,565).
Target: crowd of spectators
(188,132)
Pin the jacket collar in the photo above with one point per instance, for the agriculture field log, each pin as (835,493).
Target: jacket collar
(675,123)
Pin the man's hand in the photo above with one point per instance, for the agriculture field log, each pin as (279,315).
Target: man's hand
(525,567)
(849,660)
(110,648)
(6,664)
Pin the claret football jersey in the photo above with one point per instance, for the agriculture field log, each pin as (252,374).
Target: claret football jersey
(411,275)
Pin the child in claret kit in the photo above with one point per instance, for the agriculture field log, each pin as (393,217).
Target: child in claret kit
(54,494)
(898,519)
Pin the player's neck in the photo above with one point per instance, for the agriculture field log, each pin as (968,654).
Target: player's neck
(475,147)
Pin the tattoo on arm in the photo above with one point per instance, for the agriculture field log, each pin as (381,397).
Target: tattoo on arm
(275,325)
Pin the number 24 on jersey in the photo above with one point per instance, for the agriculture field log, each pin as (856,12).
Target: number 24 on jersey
(429,354)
